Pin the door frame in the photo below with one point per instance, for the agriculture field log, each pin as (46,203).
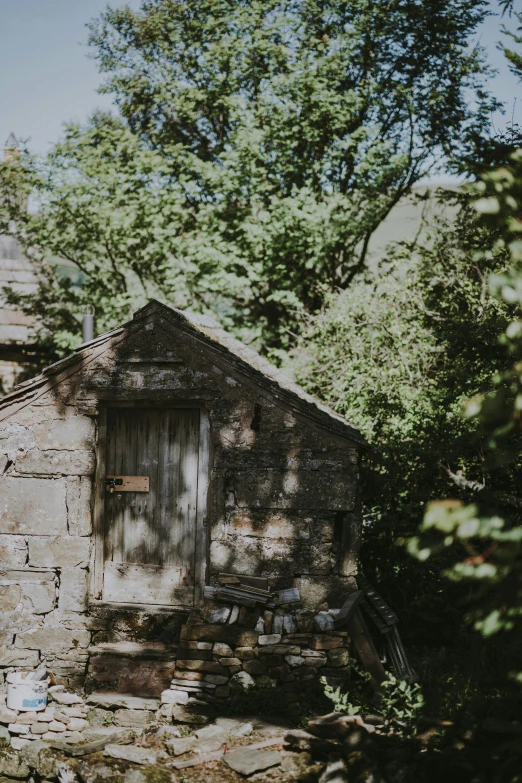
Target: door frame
(201,547)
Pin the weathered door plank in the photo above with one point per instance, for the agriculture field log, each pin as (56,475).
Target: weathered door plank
(148,584)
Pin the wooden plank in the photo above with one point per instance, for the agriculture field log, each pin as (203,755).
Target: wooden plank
(348,609)
(201,556)
(120,461)
(129,484)
(145,520)
(376,618)
(133,530)
(251,590)
(169,461)
(245,588)
(99,505)
(252,581)
(186,445)
(235,598)
(239,593)
(148,584)
(378,602)
(365,647)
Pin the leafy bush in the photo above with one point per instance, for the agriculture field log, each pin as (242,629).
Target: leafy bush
(401,704)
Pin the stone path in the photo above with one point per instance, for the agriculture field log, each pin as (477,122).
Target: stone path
(125,738)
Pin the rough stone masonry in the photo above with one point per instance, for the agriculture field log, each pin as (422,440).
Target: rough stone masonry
(281,503)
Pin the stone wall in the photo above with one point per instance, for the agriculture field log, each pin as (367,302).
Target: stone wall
(46,467)
(288,651)
(282,500)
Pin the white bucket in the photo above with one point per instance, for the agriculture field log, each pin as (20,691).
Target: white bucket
(26,695)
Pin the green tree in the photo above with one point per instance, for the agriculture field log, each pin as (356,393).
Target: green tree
(101,200)
(399,353)
(483,542)
(258,146)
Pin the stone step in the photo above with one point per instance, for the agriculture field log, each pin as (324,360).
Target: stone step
(121,700)
(133,668)
(142,650)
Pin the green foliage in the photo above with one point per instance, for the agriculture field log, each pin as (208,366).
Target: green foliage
(357,697)
(491,543)
(401,704)
(442,397)
(398,354)
(492,564)
(512,55)
(259,145)
(97,202)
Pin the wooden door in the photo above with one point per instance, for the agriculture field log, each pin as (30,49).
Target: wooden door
(150,537)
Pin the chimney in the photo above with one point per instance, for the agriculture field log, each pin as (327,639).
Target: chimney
(11,149)
(88,324)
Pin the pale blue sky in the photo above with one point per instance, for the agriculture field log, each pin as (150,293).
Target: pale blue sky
(46,77)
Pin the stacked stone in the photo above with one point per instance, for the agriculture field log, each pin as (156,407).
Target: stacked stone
(283,651)
(64,718)
(45,555)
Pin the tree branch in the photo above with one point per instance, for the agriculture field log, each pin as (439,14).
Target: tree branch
(504,498)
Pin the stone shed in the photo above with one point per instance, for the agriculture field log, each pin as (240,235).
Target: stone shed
(166,474)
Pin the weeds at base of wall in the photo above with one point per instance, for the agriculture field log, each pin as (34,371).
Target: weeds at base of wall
(400,703)
(355,698)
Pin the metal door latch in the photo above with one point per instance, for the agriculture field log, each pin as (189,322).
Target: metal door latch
(127,483)
(111,483)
